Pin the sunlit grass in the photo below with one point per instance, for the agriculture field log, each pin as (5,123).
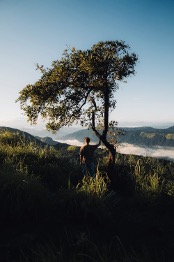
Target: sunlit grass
(44,195)
(97,185)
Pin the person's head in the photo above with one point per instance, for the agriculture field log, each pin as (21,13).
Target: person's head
(87,140)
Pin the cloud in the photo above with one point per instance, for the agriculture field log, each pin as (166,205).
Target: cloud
(72,142)
(162,152)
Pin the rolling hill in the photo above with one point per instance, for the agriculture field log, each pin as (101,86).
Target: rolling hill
(24,135)
(41,142)
(141,136)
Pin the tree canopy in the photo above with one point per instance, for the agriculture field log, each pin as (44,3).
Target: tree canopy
(79,87)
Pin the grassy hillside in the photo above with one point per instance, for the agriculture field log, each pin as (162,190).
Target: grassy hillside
(49,212)
(26,138)
(16,134)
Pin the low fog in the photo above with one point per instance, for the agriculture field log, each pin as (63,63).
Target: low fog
(124,148)
(162,152)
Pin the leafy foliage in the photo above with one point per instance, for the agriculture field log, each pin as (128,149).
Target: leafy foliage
(79,78)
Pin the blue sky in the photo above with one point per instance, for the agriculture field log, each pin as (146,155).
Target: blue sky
(38,31)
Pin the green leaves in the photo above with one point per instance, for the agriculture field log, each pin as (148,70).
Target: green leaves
(77,85)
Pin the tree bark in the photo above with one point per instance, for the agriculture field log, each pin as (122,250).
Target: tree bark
(112,153)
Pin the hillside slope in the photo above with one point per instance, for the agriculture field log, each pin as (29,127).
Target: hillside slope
(28,138)
(24,135)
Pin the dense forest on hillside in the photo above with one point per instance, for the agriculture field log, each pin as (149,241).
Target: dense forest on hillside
(49,212)
(141,136)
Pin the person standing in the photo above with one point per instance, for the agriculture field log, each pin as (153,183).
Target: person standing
(87,157)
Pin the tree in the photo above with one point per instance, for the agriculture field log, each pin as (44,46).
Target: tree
(80,88)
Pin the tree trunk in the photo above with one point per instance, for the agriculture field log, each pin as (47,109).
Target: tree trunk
(103,137)
(112,153)
(111,159)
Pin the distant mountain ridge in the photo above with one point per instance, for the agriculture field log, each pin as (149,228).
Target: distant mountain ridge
(45,133)
(141,136)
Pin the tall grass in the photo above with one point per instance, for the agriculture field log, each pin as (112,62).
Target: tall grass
(96,186)
(50,212)
(148,180)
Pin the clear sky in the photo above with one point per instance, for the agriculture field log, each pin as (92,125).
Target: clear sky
(38,31)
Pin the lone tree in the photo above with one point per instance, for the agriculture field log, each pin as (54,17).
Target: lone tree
(80,88)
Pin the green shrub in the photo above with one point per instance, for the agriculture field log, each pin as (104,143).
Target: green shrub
(74,149)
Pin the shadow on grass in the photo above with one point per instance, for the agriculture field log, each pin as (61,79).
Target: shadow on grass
(133,222)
